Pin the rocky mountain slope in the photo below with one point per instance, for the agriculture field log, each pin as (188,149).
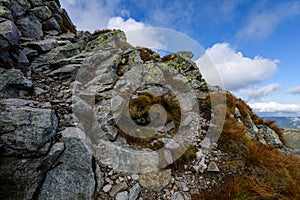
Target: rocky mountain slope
(87,116)
(292,135)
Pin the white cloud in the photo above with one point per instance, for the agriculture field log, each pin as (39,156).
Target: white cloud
(235,69)
(263,21)
(257,92)
(294,90)
(125,25)
(276,108)
(92,14)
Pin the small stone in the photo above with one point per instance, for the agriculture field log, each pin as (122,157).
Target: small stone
(107,188)
(179,196)
(172,180)
(122,196)
(182,186)
(117,188)
(212,167)
(46,105)
(196,168)
(38,91)
(206,143)
(202,165)
(121,179)
(135,177)
(155,180)
(134,192)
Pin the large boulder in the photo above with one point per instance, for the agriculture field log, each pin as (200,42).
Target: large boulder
(9,34)
(19,178)
(24,129)
(13,83)
(30,27)
(74,177)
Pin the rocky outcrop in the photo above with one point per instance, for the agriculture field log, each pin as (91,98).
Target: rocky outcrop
(88,116)
(25,21)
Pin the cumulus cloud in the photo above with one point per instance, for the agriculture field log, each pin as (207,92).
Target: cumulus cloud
(263,21)
(294,90)
(235,69)
(92,14)
(276,108)
(125,25)
(257,92)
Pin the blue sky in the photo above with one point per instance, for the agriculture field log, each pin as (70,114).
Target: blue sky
(255,45)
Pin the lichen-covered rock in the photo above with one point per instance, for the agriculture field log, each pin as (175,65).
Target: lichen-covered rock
(42,12)
(5,12)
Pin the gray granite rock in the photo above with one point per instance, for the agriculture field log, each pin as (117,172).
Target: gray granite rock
(213,167)
(122,196)
(180,196)
(118,188)
(30,27)
(19,178)
(42,12)
(12,81)
(9,33)
(134,192)
(19,7)
(25,130)
(43,45)
(51,24)
(73,178)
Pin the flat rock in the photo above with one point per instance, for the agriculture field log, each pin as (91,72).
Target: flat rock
(13,77)
(43,45)
(122,196)
(213,167)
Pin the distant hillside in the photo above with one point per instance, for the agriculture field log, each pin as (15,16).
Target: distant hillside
(292,135)
(286,122)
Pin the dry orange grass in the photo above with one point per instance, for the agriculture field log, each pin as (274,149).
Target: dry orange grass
(269,173)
